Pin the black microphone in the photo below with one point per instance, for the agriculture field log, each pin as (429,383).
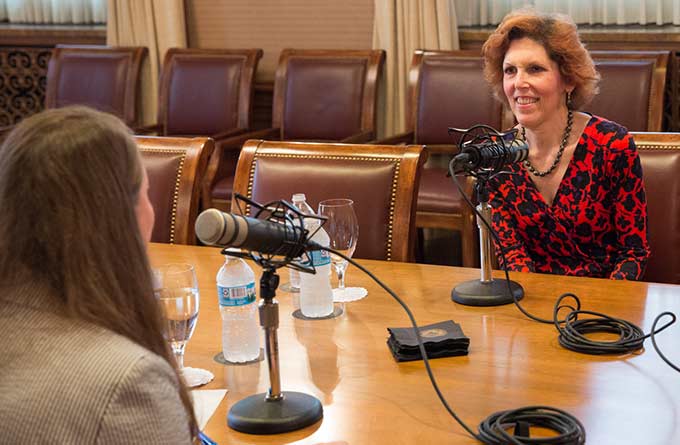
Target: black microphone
(256,235)
(491,153)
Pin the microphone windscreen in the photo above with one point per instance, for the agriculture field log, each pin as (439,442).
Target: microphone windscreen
(220,229)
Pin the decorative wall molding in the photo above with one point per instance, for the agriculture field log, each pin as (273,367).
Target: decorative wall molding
(23,77)
(25,51)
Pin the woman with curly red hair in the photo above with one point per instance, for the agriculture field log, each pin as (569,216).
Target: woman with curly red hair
(577,205)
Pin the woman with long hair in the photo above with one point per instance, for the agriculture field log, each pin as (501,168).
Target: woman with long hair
(83,359)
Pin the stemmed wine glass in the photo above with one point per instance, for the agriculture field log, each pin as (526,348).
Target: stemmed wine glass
(176,289)
(343,230)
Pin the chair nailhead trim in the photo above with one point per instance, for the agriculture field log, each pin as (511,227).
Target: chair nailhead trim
(178,176)
(393,192)
(644,146)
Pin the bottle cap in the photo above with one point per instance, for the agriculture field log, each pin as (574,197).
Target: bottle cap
(299,197)
(232,249)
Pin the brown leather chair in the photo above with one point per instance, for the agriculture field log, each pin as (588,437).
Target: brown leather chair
(319,95)
(104,78)
(447,89)
(101,77)
(660,159)
(631,89)
(175,167)
(381,180)
(208,92)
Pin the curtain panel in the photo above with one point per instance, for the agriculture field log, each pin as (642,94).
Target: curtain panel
(590,12)
(400,27)
(155,24)
(45,12)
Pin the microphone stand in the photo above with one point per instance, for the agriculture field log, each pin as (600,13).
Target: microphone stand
(275,411)
(486,291)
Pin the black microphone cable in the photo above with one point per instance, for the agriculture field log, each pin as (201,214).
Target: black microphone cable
(656,347)
(493,429)
(572,330)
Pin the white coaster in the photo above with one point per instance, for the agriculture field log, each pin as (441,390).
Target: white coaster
(349,294)
(196,376)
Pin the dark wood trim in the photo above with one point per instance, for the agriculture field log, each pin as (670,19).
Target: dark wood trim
(265,87)
(620,38)
(600,37)
(51,35)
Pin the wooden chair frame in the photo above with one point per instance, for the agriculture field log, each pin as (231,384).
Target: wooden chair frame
(401,226)
(223,139)
(654,141)
(464,221)
(132,97)
(419,55)
(374,64)
(658,83)
(188,180)
(250,59)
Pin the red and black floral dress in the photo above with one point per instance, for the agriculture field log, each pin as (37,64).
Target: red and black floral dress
(597,223)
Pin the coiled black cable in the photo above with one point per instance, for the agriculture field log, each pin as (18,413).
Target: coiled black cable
(572,329)
(654,332)
(491,430)
(494,428)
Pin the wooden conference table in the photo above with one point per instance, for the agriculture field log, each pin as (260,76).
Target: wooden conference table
(369,398)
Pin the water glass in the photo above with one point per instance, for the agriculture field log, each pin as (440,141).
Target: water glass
(176,289)
(343,230)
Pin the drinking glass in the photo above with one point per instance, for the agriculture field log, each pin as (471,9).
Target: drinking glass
(176,288)
(343,230)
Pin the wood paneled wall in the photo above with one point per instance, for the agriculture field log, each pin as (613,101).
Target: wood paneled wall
(276,24)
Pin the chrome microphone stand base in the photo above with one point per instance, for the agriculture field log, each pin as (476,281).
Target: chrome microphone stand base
(492,293)
(486,291)
(275,411)
(257,415)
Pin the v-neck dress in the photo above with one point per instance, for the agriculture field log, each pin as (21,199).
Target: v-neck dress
(597,223)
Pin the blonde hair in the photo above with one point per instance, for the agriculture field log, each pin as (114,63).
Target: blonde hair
(558,34)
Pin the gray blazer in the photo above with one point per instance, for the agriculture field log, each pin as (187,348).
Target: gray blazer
(64,381)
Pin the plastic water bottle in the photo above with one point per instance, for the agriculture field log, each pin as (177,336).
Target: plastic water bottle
(316,294)
(238,307)
(299,201)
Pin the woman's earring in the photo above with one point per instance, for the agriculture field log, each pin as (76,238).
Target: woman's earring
(569,100)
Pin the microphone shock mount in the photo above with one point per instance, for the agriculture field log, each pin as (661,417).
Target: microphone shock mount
(275,411)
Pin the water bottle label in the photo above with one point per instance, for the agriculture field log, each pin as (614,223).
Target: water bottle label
(320,258)
(236,296)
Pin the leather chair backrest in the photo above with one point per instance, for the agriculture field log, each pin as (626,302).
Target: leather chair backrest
(631,88)
(175,167)
(326,94)
(660,159)
(207,91)
(448,89)
(104,78)
(381,180)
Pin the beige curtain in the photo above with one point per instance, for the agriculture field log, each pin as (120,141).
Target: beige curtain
(156,24)
(401,27)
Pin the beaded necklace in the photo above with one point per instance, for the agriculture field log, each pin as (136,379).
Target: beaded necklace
(563,144)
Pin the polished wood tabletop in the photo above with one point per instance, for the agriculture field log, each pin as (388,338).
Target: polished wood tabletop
(369,398)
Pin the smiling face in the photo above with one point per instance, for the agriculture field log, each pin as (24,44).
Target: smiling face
(533,84)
